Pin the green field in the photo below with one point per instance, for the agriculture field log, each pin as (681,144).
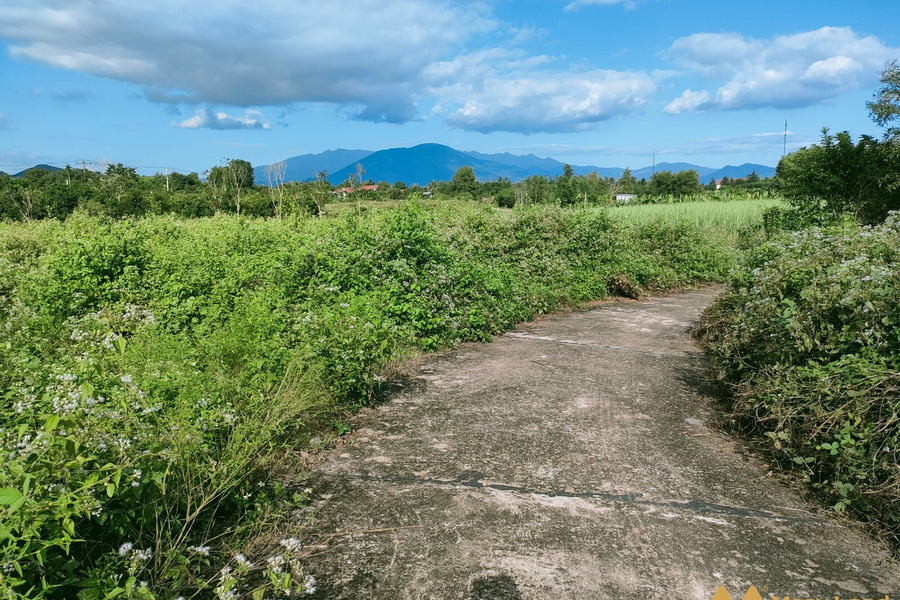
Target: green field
(728,216)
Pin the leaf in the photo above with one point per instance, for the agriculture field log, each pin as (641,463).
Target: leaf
(17,505)
(110,489)
(9,496)
(51,423)
(90,594)
(114,594)
(119,344)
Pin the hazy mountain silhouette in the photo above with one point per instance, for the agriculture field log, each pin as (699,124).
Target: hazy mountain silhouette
(425,163)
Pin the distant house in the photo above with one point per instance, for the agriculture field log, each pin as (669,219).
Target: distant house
(719,184)
(346,191)
(624,198)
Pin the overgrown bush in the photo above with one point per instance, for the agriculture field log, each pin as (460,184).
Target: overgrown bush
(808,333)
(152,370)
(837,177)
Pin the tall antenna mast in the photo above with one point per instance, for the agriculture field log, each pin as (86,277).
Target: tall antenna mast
(784,148)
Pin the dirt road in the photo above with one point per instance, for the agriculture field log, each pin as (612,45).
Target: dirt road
(574,457)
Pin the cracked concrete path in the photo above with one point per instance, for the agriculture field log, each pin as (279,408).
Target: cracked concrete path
(574,457)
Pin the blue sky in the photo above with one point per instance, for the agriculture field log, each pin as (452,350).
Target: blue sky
(184,85)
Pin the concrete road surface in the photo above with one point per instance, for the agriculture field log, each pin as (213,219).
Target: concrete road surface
(574,457)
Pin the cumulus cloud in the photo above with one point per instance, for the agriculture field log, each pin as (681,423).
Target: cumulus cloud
(210,119)
(364,53)
(378,60)
(503,90)
(783,72)
(545,101)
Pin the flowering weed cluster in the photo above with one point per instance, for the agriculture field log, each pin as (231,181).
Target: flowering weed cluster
(808,331)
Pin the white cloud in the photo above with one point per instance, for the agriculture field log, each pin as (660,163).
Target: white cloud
(688,101)
(783,72)
(545,101)
(209,119)
(379,60)
(501,90)
(367,53)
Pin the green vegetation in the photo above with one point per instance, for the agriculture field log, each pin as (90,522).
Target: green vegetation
(733,216)
(155,371)
(807,331)
(837,177)
(229,189)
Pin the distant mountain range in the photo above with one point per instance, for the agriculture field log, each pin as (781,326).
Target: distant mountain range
(425,163)
(44,167)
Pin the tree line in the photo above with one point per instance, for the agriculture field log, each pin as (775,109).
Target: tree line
(120,191)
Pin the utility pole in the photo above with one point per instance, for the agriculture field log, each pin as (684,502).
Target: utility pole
(167,179)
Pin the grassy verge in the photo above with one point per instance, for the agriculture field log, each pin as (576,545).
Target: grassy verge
(153,369)
(808,334)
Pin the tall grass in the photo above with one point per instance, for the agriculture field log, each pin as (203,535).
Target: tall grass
(722,216)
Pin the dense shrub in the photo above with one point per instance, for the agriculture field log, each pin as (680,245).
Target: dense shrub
(837,177)
(808,333)
(151,370)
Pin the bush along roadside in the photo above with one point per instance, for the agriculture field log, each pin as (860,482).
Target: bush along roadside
(152,371)
(807,332)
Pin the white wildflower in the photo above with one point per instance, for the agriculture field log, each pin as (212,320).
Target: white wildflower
(309,585)
(291,544)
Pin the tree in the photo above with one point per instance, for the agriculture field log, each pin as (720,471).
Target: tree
(837,176)
(565,187)
(464,182)
(275,178)
(229,180)
(627,182)
(885,110)
(181,182)
(123,194)
(239,174)
(683,183)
